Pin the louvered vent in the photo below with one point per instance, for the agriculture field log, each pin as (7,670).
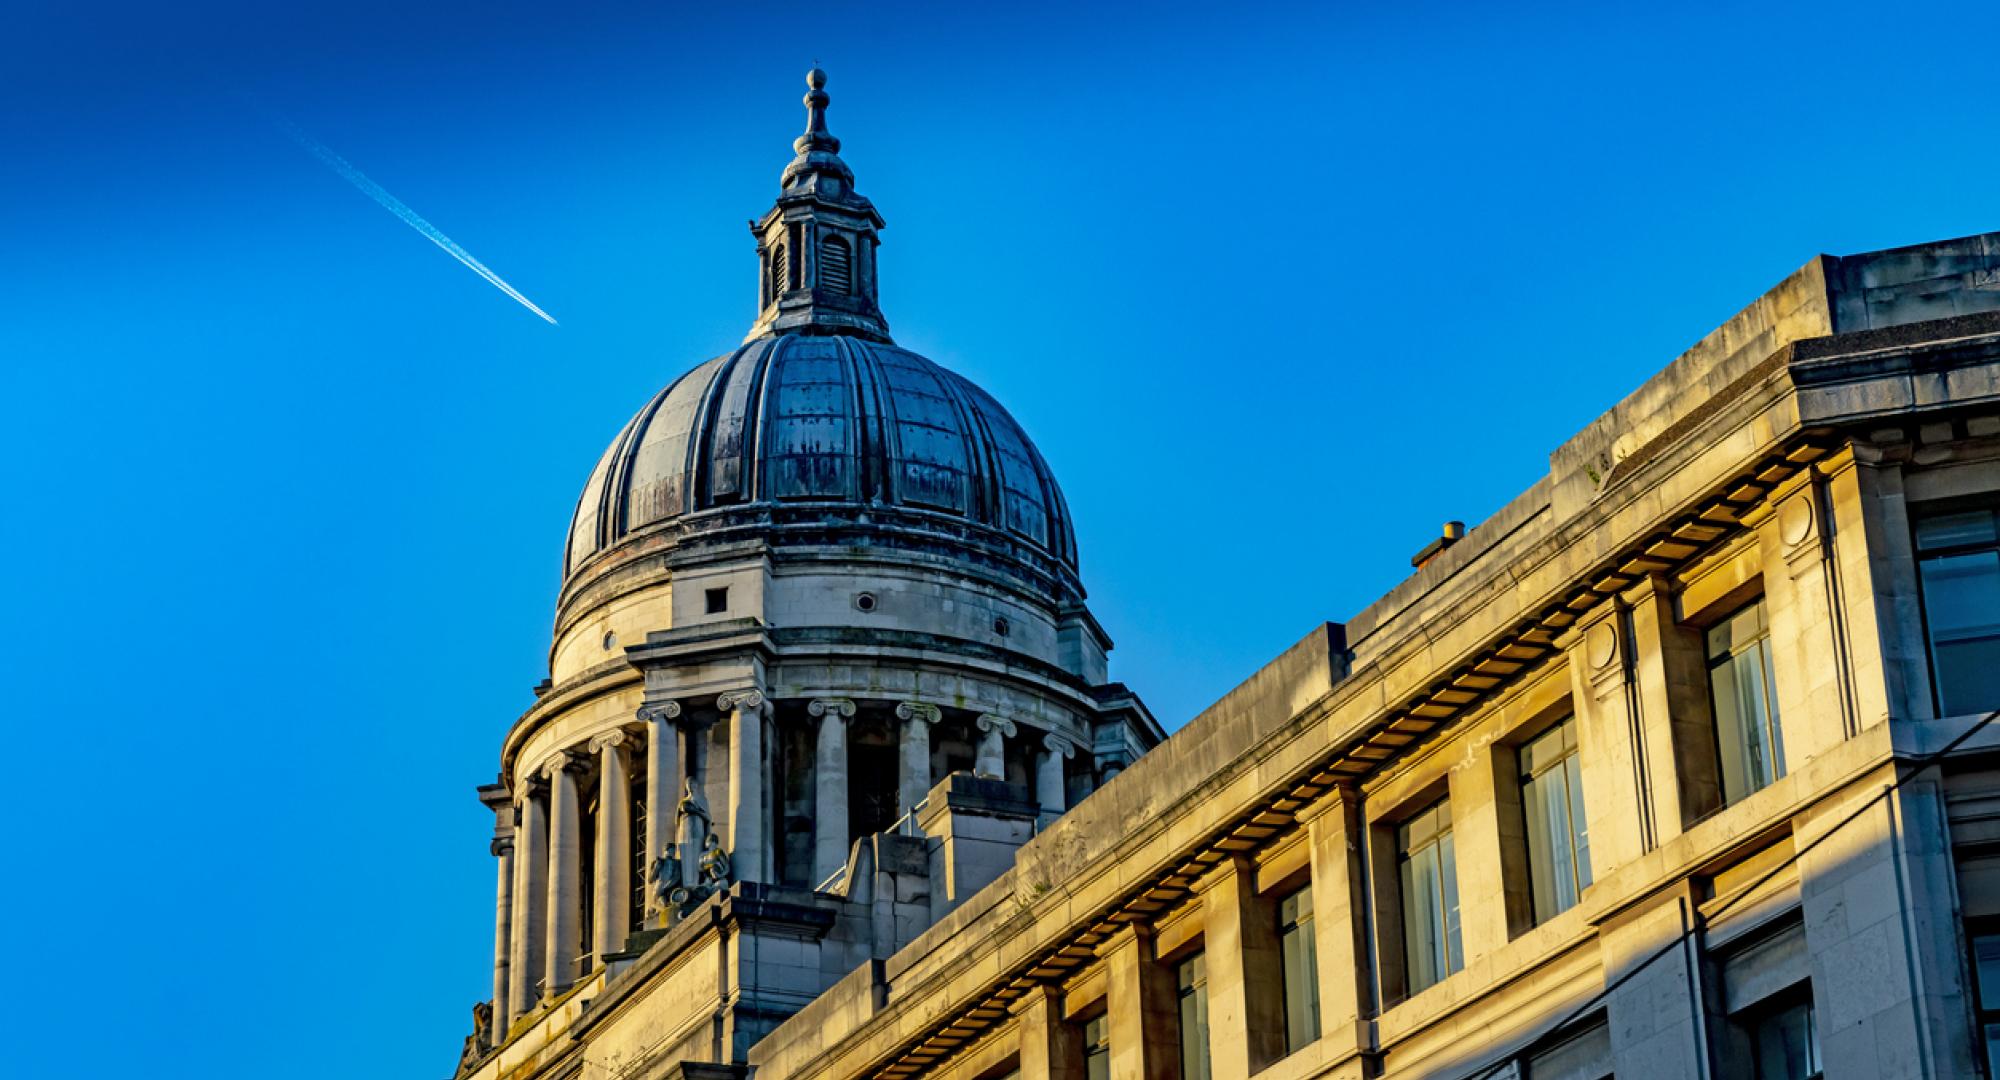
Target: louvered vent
(836,266)
(779,272)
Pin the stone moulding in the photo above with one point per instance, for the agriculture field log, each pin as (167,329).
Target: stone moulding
(1490,670)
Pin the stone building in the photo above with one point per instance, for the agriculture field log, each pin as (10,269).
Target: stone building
(1677,766)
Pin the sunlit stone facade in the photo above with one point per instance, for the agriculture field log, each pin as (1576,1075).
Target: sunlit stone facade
(1674,767)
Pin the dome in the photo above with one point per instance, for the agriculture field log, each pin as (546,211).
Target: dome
(818,429)
(829,427)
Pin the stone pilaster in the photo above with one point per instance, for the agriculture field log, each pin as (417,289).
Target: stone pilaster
(990,761)
(565,893)
(1051,1049)
(526,958)
(1141,1006)
(613,917)
(745,709)
(914,779)
(1333,828)
(830,787)
(1669,682)
(1246,995)
(663,788)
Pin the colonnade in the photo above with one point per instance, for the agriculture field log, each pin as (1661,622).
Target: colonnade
(539,909)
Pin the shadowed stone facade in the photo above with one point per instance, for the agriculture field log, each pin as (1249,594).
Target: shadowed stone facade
(1674,767)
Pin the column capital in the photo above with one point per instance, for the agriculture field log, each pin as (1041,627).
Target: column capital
(839,708)
(660,712)
(561,761)
(501,845)
(527,788)
(751,700)
(614,737)
(917,710)
(990,722)
(1059,744)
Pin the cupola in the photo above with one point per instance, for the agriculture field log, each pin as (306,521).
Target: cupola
(816,245)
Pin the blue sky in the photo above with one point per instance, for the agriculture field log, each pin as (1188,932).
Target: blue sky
(1277,292)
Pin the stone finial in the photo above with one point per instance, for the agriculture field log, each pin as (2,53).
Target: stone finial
(750,700)
(990,722)
(917,710)
(660,712)
(816,100)
(839,708)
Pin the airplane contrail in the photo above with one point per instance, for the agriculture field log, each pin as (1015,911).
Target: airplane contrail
(410,217)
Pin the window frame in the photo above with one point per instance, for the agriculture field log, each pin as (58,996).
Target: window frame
(1448,928)
(1985,1020)
(1299,928)
(1772,719)
(1920,555)
(1534,835)
(1192,991)
(1098,1050)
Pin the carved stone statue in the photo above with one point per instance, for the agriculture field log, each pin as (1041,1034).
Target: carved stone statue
(695,865)
(481,1040)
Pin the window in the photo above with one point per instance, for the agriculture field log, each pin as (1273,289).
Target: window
(1192,975)
(1784,1044)
(1746,709)
(1301,968)
(1429,874)
(1986,984)
(718,600)
(836,266)
(1097,1049)
(1958,559)
(1558,832)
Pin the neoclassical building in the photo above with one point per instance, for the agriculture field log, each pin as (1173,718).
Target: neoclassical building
(1681,765)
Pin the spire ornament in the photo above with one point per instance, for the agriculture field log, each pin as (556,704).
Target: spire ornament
(816,247)
(816,136)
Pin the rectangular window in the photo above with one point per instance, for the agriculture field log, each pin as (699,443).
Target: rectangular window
(1784,1043)
(1958,559)
(1192,975)
(1301,968)
(717,600)
(1747,734)
(1986,984)
(1429,874)
(1097,1049)
(1558,834)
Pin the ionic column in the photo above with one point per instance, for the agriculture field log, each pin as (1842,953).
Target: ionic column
(501,802)
(614,848)
(830,787)
(663,784)
(746,781)
(990,761)
(531,865)
(565,866)
(1049,774)
(914,778)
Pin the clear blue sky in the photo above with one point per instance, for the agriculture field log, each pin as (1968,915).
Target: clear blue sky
(1276,292)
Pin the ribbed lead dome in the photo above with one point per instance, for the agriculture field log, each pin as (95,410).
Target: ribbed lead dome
(835,421)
